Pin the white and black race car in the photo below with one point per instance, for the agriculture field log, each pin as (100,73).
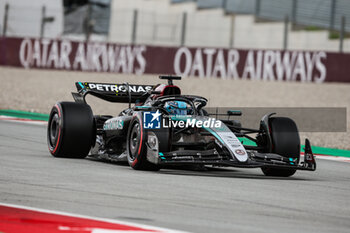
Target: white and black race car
(162,127)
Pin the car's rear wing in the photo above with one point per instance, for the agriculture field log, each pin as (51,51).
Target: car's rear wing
(120,93)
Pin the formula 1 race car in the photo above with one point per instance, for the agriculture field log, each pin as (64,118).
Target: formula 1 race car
(164,127)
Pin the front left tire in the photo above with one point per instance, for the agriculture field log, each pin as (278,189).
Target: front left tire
(70,130)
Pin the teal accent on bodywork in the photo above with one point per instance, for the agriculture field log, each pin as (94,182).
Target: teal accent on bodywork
(142,106)
(247,142)
(161,155)
(235,111)
(82,86)
(291,159)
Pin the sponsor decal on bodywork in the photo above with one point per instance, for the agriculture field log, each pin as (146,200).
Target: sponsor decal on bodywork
(190,121)
(109,87)
(233,143)
(113,124)
(151,120)
(240,152)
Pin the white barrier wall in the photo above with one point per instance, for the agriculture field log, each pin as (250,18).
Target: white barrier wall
(208,28)
(24,18)
(269,35)
(248,34)
(158,21)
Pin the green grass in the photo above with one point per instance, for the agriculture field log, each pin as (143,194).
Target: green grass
(334,35)
(313,28)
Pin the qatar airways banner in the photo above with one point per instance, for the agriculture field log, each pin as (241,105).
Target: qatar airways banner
(304,66)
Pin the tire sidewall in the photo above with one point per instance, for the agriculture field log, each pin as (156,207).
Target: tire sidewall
(136,161)
(285,138)
(285,142)
(55,149)
(140,162)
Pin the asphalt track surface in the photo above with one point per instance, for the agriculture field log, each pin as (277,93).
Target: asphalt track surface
(217,200)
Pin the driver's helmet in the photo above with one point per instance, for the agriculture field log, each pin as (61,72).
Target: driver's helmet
(176,107)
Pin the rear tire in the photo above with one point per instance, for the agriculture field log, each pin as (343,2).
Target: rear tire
(285,142)
(136,147)
(70,130)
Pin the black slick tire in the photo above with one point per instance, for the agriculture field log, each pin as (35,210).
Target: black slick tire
(136,147)
(285,142)
(70,130)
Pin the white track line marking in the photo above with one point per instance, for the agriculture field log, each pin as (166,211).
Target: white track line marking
(21,120)
(329,157)
(334,158)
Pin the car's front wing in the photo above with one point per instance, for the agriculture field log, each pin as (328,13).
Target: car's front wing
(212,157)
